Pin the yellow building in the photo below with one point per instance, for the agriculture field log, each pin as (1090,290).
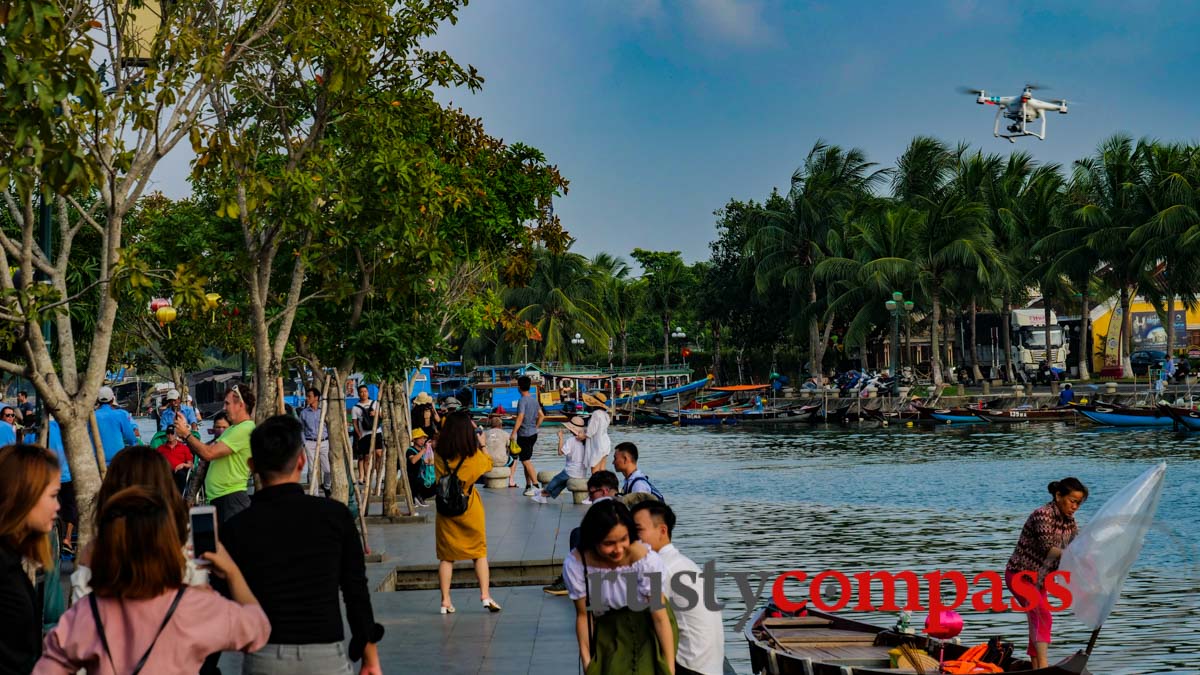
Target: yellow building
(1148,332)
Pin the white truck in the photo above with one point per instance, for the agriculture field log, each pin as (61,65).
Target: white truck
(1028,335)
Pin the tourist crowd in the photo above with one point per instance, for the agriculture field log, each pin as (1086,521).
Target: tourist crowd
(143,600)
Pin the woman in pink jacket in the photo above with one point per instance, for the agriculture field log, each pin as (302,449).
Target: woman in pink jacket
(140,616)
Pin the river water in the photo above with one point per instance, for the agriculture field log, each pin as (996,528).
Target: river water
(768,499)
(754,498)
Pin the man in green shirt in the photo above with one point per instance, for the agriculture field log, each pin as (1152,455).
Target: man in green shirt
(228,469)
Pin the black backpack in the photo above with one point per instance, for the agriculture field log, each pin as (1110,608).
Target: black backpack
(451,501)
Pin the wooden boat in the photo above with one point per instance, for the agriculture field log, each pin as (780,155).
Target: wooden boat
(782,415)
(1119,416)
(950,415)
(709,401)
(820,643)
(894,416)
(692,418)
(1186,417)
(1013,415)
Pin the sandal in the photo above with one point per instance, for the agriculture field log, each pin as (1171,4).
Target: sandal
(490,605)
(448,609)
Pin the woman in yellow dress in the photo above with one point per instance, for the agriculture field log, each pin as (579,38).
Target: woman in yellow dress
(462,537)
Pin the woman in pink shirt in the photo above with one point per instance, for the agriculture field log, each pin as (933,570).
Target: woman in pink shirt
(140,617)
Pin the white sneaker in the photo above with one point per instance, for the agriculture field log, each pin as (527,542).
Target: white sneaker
(541,499)
(586,502)
(530,491)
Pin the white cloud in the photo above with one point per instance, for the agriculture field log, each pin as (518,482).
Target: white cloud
(737,21)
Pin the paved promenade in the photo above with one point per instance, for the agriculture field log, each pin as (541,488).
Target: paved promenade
(535,633)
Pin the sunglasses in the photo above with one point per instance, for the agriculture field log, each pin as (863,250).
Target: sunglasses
(237,393)
(10,414)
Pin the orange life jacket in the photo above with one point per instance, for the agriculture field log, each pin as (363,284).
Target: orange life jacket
(969,662)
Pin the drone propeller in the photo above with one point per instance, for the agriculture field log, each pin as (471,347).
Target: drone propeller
(1034,86)
(969,91)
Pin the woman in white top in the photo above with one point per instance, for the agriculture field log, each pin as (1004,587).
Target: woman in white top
(598,444)
(615,637)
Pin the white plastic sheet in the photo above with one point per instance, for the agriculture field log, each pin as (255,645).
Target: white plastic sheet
(1100,557)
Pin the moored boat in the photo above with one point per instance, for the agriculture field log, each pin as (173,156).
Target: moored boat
(1119,416)
(1186,417)
(821,643)
(950,415)
(1012,415)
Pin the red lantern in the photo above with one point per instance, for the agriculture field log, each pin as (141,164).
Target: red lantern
(686,351)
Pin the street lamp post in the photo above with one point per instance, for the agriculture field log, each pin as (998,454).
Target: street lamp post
(898,307)
(680,335)
(577,341)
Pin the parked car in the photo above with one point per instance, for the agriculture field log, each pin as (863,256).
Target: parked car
(1144,360)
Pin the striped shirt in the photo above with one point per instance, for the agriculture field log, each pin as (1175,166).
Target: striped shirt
(1045,528)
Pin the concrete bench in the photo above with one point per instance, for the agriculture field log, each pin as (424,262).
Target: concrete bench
(545,477)
(578,488)
(497,478)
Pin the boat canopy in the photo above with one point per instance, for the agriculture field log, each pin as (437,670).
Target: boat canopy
(742,387)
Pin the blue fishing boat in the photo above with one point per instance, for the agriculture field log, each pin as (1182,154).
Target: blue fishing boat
(1186,417)
(1119,416)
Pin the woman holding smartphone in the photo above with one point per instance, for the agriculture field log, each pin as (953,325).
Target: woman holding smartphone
(139,599)
(138,465)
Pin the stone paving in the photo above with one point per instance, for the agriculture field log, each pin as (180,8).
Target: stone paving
(535,632)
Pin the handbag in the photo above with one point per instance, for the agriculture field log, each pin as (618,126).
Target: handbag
(137,668)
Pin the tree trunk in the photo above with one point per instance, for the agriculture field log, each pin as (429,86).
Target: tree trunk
(624,347)
(1170,324)
(976,373)
(85,473)
(935,357)
(717,351)
(1006,332)
(391,431)
(339,438)
(179,381)
(816,348)
(741,356)
(1126,333)
(667,340)
(1085,333)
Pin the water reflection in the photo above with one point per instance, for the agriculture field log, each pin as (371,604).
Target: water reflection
(926,498)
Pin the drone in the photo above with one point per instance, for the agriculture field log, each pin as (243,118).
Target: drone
(1021,111)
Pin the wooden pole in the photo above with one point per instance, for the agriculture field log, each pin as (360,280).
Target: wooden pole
(101,459)
(403,434)
(282,407)
(314,472)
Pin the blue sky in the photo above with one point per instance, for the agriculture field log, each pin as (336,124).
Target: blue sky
(659,112)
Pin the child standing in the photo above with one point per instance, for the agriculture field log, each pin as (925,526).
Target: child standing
(571,446)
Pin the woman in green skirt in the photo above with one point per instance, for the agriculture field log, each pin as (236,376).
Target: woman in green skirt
(614,635)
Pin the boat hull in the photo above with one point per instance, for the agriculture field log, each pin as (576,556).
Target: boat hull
(773,656)
(1016,415)
(951,415)
(1186,417)
(1115,416)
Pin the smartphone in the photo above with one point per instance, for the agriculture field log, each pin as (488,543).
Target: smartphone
(204,532)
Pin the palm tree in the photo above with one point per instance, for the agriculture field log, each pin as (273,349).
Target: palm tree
(1168,241)
(880,246)
(953,240)
(1108,203)
(620,297)
(666,289)
(789,241)
(560,301)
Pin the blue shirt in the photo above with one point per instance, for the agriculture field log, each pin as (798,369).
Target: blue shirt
(168,417)
(8,434)
(311,419)
(1066,396)
(54,440)
(116,430)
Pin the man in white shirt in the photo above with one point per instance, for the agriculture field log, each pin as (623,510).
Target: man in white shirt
(701,648)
